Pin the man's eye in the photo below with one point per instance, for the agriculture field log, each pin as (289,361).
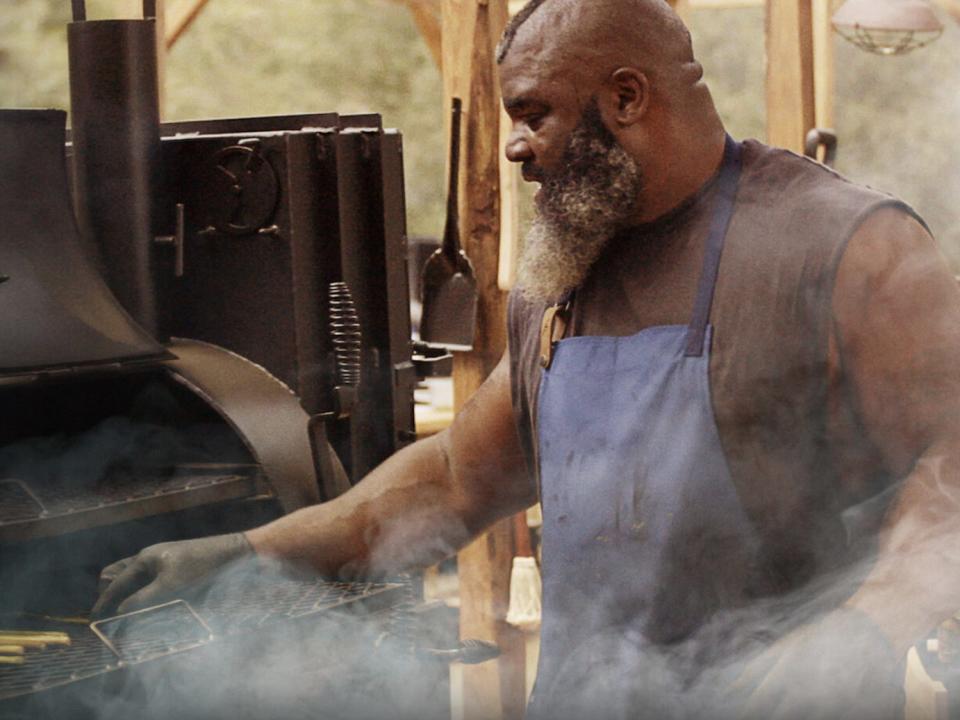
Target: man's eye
(534,121)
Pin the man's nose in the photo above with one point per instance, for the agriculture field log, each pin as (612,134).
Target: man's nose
(517,148)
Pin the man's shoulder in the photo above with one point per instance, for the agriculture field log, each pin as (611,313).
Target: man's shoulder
(787,180)
(805,201)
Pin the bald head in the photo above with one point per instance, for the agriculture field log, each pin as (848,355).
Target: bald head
(598,36)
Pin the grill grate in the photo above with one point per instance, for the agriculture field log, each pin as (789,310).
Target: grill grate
(17,502)
(39,509)
(233,608)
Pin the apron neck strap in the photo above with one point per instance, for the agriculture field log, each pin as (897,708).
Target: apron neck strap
(720,220)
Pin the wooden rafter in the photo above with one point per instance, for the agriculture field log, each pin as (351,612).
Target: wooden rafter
(180,24)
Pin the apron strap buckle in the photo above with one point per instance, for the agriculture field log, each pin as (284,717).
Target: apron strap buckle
(553,326)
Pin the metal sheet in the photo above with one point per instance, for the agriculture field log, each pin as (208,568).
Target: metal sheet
(115,120)
(264,411)
(55,310)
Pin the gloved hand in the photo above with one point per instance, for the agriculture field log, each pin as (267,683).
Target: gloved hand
(839,666)
(157,573)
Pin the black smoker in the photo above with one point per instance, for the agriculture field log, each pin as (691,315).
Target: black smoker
(221,337)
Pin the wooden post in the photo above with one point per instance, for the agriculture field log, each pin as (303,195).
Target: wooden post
(509,212)
(790,88)
(471,29)
(161,56)
(823,63)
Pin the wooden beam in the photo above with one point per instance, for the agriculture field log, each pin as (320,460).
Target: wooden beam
(471,29)
(426,16)
(509,212)
(182,22)
(791,108)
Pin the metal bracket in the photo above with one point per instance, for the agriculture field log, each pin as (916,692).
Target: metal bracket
(821,137)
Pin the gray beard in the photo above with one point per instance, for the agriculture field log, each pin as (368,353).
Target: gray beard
(578,210)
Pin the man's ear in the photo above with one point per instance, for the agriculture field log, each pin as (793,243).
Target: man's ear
(630,91)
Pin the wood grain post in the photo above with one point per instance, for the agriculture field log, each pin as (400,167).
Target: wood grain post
(823,65)
(791,105)
(471,29)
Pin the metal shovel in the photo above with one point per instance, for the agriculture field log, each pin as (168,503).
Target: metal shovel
(449,285)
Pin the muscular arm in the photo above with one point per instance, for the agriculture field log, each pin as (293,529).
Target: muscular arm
(423,503)
(416,508)
(896,345)
(897,313)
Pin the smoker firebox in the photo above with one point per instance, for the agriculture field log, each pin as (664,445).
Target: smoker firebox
(213,333)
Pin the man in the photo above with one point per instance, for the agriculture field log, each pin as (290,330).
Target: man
(732,375)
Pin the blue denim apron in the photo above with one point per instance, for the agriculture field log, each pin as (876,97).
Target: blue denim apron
(644,535)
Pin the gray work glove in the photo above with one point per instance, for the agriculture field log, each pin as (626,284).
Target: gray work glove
(158,573)
(841,666)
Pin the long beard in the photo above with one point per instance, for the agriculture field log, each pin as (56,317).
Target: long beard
(578,210)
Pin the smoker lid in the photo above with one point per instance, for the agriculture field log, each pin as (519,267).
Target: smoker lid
(55,309)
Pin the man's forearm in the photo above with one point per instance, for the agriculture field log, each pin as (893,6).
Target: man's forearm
(915,582)
(409,512)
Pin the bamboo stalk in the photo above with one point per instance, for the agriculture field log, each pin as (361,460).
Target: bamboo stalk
(11,660)
(11,649)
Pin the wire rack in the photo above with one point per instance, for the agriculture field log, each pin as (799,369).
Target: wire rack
(234,608)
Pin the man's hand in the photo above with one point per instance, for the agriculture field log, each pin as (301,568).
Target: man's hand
(159,572)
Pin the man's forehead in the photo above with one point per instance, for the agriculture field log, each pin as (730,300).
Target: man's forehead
(543,57)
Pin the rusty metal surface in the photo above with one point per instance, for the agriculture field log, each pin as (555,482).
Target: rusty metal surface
(55,310)
(263,411)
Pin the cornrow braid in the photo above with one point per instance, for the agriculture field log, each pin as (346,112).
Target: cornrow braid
(510,32)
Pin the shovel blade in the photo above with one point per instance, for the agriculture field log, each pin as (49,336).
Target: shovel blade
(449,317)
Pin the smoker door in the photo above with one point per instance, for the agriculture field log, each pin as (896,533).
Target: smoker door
(55,310)
(272,221)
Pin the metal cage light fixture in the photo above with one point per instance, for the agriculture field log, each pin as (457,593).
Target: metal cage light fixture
(887,27)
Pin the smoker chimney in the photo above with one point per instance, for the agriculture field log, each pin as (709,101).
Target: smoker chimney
(115,121)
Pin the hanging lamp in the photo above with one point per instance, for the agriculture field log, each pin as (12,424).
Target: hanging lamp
(887,27)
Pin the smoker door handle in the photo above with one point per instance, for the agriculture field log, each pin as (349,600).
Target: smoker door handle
(178,240)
